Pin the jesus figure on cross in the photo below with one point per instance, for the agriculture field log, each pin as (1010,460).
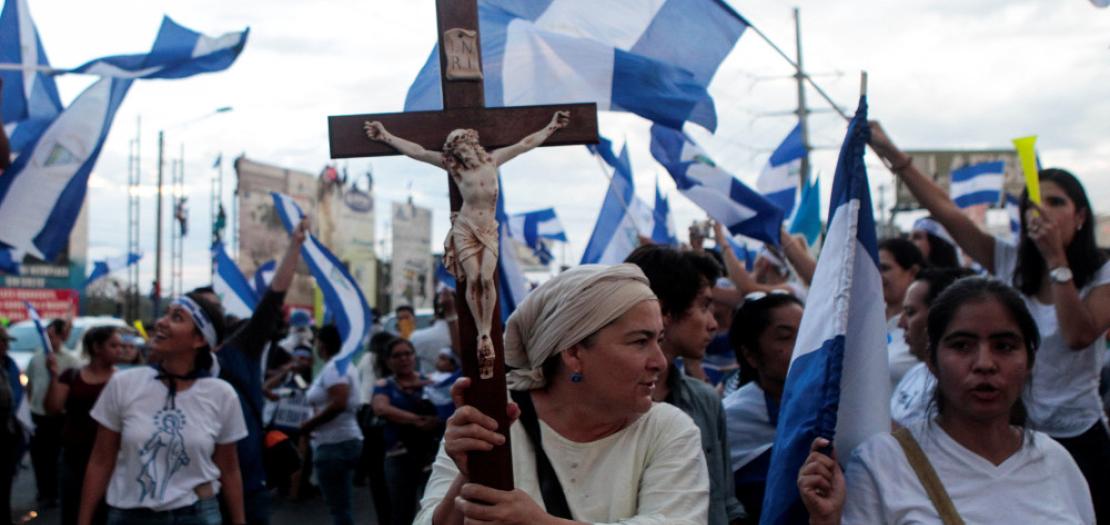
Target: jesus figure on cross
(470,250)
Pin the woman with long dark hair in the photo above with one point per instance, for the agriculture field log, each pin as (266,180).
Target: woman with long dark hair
(763,333)
(75,392)
(166,445)
(1065,281)
(975,462)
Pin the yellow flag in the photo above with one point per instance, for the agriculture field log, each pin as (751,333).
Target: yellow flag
(139,327)
(1027,154)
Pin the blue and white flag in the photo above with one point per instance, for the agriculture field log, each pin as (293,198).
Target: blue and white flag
(10,260)
(977,184)
(623,218)
(838,384)
(1013,210)
(342,296)
(44,189)
(34,315)
(262,277)
(653,59)
(30,96)
(727,200)
(178,52)
(513,286)
(662,231)
(230,285)
(807,220)
(111,265)
(782,175)
(534,228)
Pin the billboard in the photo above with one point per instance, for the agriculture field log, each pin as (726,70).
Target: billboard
(261,236)
(345,224)
(412,272)
(939,164)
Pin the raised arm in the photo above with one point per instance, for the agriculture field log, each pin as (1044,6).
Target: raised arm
(977,243)
(795,250)
(735,270)
(376,131)
(558,121)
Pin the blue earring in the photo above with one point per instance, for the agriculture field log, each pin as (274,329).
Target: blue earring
(576,377)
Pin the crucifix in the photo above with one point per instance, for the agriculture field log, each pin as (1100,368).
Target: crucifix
(457,139)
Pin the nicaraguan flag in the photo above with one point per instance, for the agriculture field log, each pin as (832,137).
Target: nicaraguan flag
(342,296)
(44,189)
(111,265)
(807,220)
(178,52)
(662,231)
(746,255)
(262,277)
(10,260)
(727,200)
(1013,209)
(534,228)
(34,315)
(623,217)
(230,285)
(30,97)
(513,286)
(782,175)
(977,184)
(653,59)
(838,385)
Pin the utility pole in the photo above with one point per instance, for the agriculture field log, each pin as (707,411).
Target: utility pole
(156,293)
(134,179)
(803,110)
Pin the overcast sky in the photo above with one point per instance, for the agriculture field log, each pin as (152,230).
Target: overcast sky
(944,74)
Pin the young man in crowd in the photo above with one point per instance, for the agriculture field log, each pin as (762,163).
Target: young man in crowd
(46,442)
(240,360)
(683,280)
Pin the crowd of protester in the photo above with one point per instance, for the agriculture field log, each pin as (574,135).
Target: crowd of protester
(646,392)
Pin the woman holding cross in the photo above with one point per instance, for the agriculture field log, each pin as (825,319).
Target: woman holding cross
(588,444)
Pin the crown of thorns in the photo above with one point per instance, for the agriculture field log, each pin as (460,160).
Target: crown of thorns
(459,135)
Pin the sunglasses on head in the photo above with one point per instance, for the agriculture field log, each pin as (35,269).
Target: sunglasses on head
(760,295)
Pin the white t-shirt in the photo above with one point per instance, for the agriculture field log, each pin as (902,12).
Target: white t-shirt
(39,376)
(343,427)
(1063,401)
(366,378)
(910,402)
(651,472)
(166,452)
(1040,483)
(427,342)
(750,432)
(898,352)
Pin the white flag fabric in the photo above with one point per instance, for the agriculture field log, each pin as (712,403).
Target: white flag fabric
(838,383)
(342,295)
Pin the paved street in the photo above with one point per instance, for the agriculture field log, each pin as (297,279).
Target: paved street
(24,509)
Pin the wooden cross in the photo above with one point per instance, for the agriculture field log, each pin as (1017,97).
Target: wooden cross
(464,107)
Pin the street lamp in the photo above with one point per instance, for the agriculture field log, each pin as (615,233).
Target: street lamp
(156,293)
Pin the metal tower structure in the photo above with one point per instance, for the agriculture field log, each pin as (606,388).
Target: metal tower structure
(180,224)
(134,180)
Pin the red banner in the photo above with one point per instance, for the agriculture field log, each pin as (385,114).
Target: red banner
(50,304)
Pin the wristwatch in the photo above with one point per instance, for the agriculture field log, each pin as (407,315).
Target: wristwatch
(1060,275)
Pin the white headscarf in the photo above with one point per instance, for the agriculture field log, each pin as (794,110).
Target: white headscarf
(564,311)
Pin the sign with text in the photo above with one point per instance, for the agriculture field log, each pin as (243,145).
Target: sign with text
(50,304)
